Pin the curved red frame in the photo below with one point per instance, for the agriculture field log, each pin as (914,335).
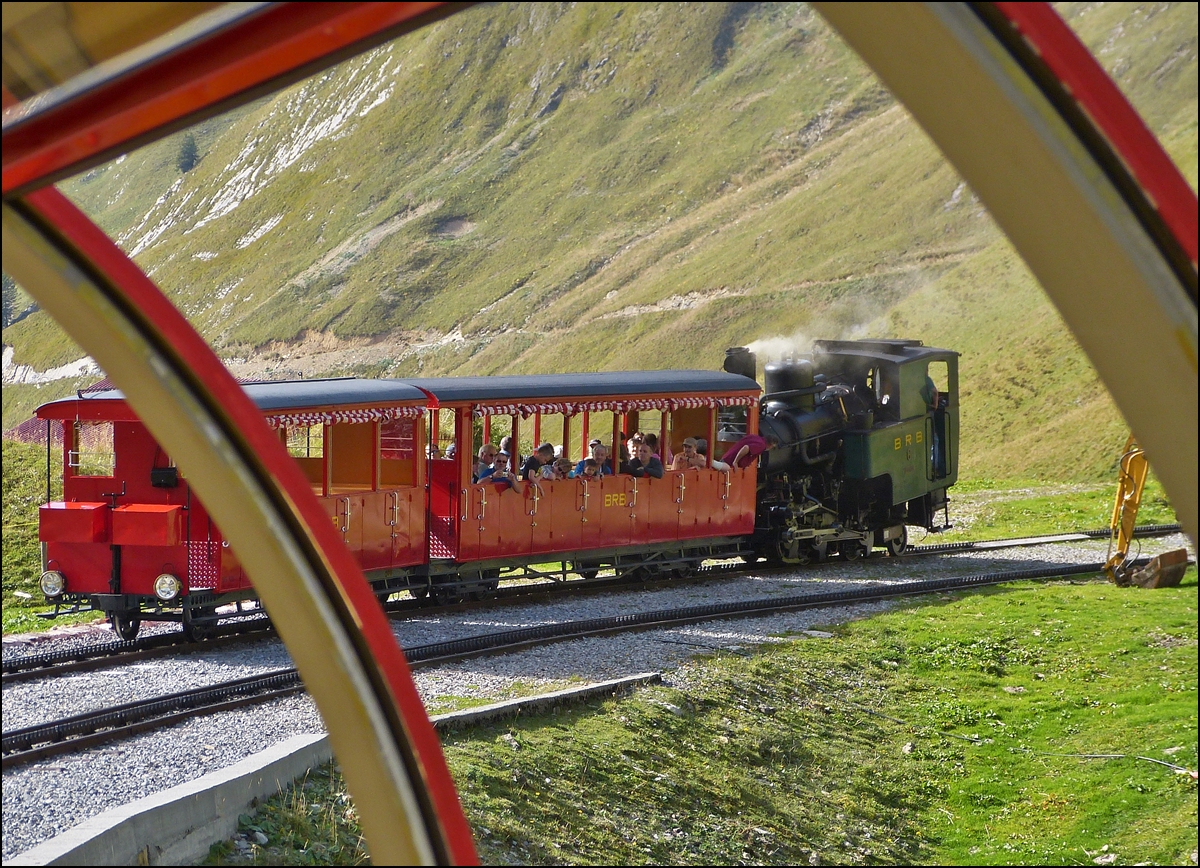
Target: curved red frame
(1074,66)
(145,302)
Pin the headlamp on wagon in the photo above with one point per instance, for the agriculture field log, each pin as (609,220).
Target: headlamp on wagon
(53,583)
(167,587)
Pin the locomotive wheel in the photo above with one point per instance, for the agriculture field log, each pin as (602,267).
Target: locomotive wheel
(851,549)
(790,552)
(899,544)
(126,624)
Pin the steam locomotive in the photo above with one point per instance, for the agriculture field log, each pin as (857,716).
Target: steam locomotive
(868,444)
(866,436)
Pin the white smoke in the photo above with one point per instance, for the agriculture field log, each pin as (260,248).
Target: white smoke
(770,349)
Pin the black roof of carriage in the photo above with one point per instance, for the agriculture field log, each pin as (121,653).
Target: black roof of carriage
(604,383)
(296,394)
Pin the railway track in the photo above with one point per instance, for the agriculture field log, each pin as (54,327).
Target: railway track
(33,743)
(102,655)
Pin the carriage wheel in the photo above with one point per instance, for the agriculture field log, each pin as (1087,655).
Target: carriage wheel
(899,544)
(586,569)
(126,624)
(684,571)
(419,592)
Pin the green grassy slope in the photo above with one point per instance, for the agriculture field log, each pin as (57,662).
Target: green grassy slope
(623,186)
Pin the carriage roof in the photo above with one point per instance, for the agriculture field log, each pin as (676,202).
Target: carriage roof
(346,391)
(591,385)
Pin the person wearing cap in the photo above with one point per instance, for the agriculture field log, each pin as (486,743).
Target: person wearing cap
(532,468)
(500,473)
(689,458)
(599,454)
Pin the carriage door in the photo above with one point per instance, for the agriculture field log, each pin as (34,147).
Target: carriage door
(444,494)
(350,451)
(400,484)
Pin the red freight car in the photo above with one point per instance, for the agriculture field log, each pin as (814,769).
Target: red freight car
(129,539)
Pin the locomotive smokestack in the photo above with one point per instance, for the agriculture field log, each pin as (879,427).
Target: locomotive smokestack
(739,360)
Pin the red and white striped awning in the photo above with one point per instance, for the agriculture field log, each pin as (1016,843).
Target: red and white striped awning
(629,405)
(335,417)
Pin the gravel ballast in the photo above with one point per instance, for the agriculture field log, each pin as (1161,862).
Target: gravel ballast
(45,798)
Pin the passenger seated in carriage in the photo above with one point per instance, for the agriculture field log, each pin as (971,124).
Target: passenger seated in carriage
(500,473)
(689,458)
(531,470)
(600,455)
(646,463)
(487,454)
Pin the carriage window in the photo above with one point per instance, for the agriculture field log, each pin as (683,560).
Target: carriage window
(351,457)
(92,452)
(307,441)
(445,433)
(398,453)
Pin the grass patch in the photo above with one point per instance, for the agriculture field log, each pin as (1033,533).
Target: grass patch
(313,823)
(948,731)
(981,509)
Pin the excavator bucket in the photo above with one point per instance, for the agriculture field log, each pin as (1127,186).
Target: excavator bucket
(1163,571)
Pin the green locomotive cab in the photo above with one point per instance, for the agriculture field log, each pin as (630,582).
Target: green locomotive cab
(901,446)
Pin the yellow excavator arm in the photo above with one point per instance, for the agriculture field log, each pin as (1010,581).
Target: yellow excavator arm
(1164,570)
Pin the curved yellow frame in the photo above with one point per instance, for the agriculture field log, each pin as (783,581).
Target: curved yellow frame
(1059,209)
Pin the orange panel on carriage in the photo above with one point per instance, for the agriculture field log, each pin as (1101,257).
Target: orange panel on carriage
(73,522)
(148,524)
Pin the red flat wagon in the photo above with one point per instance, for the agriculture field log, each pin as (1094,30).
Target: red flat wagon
(129,539)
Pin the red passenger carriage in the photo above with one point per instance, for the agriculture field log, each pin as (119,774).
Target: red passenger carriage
(616,520)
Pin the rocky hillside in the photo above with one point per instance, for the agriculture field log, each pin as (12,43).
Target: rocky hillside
(554,187)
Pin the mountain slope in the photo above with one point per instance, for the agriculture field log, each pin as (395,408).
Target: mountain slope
(562,187)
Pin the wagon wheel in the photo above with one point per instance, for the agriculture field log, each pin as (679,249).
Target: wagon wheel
(489,581)
(126,624)
(195,632)
(445,595)
(641,573)
(899,544)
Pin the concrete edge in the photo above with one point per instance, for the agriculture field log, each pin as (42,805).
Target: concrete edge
(178,826)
